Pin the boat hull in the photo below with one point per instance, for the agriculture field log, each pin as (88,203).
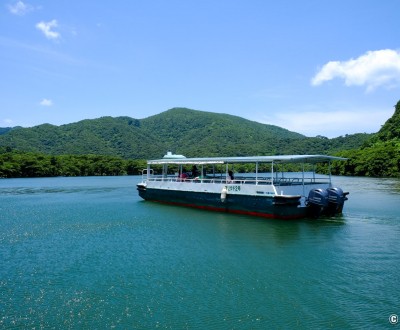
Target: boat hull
(279,207)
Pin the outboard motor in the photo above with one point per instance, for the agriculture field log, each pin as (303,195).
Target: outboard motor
(317,202)
(336,198)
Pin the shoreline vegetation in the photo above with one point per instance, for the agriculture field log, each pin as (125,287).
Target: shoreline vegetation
(382,160)
(28,164)
(375,155)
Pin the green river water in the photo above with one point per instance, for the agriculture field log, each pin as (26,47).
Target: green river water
(88,253)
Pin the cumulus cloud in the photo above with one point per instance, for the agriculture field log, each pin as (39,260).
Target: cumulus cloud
(46,103)
(332,123)
(7,121)
(373,69)
(47,29)
(19,8)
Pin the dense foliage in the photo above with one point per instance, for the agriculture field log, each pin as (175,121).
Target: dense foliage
(4,130)
(22,165)
(380,160)
(379,156)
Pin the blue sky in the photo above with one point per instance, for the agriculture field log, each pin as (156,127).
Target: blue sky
(315,67)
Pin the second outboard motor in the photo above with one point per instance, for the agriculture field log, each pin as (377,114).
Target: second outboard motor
(317,201)
(336,198)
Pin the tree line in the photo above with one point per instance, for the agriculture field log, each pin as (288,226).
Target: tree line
(14,164)
(379,160)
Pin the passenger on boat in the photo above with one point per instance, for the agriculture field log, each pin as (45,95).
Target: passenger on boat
(182,176)
(230,177)
(195,172)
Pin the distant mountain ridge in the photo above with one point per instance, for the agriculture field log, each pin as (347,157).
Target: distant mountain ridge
(4,130)
(181,130)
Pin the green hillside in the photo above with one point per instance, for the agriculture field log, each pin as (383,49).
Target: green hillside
(116,146)
(379,156)
(4,130)
(104,136)
(390,131)
(198,133)
(189,132)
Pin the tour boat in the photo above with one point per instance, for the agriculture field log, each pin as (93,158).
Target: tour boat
(211,184)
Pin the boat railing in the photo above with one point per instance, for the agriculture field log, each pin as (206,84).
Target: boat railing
(241,180)
(299,181)
(146,174)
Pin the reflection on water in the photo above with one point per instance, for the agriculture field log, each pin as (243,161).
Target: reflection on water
(89,253)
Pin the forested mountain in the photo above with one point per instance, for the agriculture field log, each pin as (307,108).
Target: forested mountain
(379,156)
(4,130)
(189,132)
(104,136)
(390,131)
(114,146)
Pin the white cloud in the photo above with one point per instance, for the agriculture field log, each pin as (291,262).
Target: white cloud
(331,123)
(20,8)
(46,103)
(7,121)
(46,28)
(373,69)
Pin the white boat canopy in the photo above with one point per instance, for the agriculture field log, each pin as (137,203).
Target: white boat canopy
(311,159)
